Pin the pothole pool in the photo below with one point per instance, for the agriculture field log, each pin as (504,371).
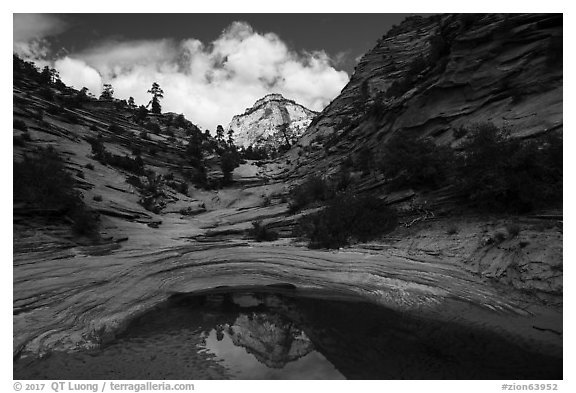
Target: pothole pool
(264,335)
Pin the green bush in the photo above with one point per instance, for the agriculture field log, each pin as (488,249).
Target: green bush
(134,165)
(46,93)
(499,173)
(313,189)
(347,218)
(415,163)
(228,161)
(261,233)
(134,181)
(181,187)
(153,127)
(42,181)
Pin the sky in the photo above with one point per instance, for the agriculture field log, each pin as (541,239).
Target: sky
(210,66)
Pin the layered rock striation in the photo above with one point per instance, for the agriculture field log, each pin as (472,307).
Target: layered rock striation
(429,77)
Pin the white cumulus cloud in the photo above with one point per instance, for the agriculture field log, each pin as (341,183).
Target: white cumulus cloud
(78,74)
(209,82)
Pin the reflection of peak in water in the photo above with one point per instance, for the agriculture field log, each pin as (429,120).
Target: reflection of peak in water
(271,339)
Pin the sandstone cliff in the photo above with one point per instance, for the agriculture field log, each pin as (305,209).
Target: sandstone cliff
(271,122)
(430,76)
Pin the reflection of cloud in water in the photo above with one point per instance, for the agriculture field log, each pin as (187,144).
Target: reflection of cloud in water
(265,346)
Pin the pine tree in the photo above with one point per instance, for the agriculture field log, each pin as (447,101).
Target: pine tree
(107,92)
(157,94)
(230,137)
(220,133)
(131,103)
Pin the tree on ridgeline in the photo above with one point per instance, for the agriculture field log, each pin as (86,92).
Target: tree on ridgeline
(131,103)
(157,94)
(107,92)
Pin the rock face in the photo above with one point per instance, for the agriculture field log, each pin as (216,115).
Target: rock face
(430,76)
(271,122)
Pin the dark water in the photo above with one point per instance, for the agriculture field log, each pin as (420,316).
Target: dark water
(272,336)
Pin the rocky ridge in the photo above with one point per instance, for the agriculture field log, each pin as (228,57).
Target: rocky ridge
(513,79)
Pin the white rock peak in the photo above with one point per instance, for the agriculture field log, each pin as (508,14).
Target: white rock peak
(272,121)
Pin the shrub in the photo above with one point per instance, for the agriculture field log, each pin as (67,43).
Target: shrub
(228,162)
(181,187)
(188,211)
(134,165)
(311,190)
(266,201)
(85,221)
(134,181)
(153,127)
(347,218)
(20,125)
(499,173)
(46,93)
(43,181)
(342,179)
(261,233)
(415,163)
(97,198)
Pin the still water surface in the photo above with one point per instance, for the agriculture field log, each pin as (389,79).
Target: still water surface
(271,336)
